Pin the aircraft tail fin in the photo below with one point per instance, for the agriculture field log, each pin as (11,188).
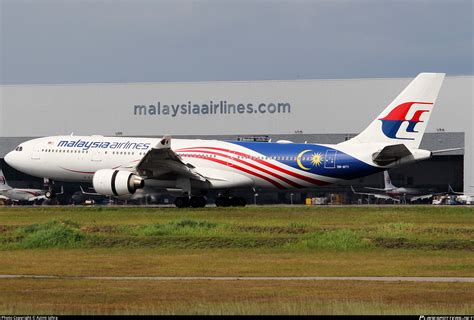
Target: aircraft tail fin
(387,181)
(405,119)
(3,181)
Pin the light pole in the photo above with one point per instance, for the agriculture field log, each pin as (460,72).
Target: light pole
(255,198)
(291,198)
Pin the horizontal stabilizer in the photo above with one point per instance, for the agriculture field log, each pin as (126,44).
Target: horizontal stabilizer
(390,154)
(377,189)
(446,150)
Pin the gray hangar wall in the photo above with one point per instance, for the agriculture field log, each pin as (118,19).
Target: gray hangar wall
(225,108)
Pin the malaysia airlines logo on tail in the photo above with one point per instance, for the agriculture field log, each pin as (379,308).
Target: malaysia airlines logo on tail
(391,123)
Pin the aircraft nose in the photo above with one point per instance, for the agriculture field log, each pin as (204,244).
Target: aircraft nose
(10,158)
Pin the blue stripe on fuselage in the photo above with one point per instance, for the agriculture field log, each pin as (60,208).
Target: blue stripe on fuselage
(333,163)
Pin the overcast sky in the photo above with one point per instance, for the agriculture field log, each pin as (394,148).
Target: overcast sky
(72,41)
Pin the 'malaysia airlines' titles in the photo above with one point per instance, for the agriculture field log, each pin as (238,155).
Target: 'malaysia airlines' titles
(86,145)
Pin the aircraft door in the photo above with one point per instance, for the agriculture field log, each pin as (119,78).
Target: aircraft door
(36,154)
(230,161)
(96,155)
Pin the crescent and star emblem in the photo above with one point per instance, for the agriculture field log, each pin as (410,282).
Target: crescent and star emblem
(316,159)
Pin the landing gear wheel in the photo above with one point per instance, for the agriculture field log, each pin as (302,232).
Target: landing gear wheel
(223,202)
(181,202)
(238,202)
(197,202)
(242,202)
(235,202)
(50,194)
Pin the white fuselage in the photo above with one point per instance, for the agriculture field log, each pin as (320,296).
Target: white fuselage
(225,164)
(405,192)
(17,194)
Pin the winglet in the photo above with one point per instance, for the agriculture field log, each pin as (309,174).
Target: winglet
(165,143)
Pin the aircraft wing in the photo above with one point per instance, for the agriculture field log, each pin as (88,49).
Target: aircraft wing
(376,195)
(377,189)
(41,197)
(425,196)
(161,161)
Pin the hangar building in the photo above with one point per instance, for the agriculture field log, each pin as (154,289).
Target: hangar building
(320,111)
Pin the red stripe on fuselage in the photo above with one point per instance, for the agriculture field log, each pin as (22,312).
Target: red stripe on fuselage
(84,172)
(276,184)
(29,192)
(270,165)
(292,183)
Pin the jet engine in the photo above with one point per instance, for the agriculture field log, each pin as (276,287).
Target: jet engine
(116,182)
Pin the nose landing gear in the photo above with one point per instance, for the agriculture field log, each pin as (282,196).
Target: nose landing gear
(50,194)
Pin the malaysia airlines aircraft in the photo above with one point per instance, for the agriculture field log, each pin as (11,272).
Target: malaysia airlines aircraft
(118,166)
(17,194)
(397,194)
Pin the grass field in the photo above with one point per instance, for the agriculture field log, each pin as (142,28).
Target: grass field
(253,241)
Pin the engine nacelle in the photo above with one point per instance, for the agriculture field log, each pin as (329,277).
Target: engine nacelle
(116,182)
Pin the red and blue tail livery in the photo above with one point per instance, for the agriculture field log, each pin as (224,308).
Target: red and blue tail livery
(392,122)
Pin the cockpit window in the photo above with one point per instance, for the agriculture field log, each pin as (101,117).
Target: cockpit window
(19,148)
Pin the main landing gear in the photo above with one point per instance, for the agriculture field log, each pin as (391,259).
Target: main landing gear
(230,202)
(200,201)
(194,202)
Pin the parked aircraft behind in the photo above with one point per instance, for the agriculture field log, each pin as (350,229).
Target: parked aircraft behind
(119,166)
(17,194)
(461,197)
(397,194)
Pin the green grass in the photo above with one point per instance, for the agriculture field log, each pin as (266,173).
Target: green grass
(53,234)
(311,216)
(297,228)
(181,227)
(341,240)
(247,308)
(238,297)
(254,241)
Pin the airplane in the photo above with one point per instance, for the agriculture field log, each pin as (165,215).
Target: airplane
(17,194)
(189,168)
(396,194)
(462,197)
